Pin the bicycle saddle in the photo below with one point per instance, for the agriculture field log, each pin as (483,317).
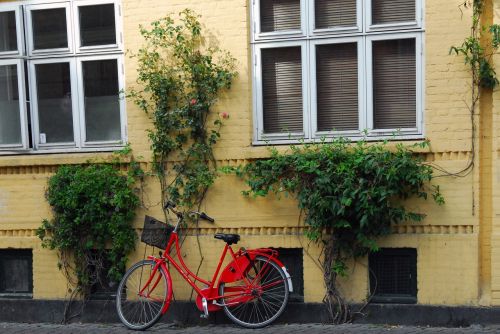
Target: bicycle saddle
(229,238)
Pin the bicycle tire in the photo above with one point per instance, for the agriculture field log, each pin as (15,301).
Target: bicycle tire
(268,306)
(133,312)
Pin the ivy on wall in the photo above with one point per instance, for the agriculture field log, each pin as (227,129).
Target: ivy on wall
(350,194)
(93,208)
(181,76)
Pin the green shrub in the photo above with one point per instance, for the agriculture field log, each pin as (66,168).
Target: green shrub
(93,207)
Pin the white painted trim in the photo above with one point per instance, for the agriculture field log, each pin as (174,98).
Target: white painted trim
(21,87)
(419,84)
(416,24)
(313,106)
(392,136)
(34,103)
(82,49)
(19,30)
(81,100)
(335,30)
(255,23)
(259,126)
(30,33)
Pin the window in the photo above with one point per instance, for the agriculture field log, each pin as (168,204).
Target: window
(393,275)
(16,273)
(61,71)
(337,67)
(292,258)
(103,287)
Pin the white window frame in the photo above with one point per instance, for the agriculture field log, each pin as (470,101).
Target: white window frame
(22,104)
(335,30)
(258,100)
(118,23)
(416,24)
(19,28)
(34,103)
(26,59)
(29,29)
(314,93)
(81,99)
(365,33)
(418,84)
(258,35)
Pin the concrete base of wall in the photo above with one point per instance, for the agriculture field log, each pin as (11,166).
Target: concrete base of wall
(51,311)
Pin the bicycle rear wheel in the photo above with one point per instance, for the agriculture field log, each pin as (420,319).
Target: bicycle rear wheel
(268,299)
(138,303)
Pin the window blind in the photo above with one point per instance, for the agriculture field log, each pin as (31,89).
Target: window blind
(334,13)
(394,84)
(279,15)
(392,11)
(337,87)
(282,89)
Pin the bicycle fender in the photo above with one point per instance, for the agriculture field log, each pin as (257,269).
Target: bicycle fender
(271,253)
(169,288)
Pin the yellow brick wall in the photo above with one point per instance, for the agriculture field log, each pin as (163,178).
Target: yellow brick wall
(447,241)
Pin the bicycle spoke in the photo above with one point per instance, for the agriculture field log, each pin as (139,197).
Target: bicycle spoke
(269,290)
(141,296)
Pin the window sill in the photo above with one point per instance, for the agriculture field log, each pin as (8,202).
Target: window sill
(55,157)
(61,150)
(287,141)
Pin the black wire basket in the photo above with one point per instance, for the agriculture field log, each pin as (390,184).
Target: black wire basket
(156,233)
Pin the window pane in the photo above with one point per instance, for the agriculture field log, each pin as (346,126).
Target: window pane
(282,89)
(392,11)
(97,25)
(335,13)
(18,268)
(49,28)
(278,15)
(394,84)
(16,272)
(10,121)
(8,35)
(102,104)
(54,103)
(337,86)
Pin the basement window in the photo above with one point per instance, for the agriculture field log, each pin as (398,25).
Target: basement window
(292,258)
(16,273)
(104,287)
(393,275)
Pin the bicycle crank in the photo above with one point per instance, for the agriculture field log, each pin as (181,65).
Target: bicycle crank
(204,304)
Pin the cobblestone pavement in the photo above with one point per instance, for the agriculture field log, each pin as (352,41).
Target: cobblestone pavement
(17,328)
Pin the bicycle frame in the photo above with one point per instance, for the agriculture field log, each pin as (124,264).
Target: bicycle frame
(209,295)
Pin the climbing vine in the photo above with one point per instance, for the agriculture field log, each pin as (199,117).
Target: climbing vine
(350,195)
(180,75)
(93,207)
(477,50)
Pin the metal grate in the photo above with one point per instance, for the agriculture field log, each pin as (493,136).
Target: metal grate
(292,258)
(104,287)
(16,273)
(393,275)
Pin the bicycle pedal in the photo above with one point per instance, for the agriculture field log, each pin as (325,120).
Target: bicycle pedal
(204,303)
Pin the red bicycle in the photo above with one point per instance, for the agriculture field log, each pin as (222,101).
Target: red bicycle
(252,289)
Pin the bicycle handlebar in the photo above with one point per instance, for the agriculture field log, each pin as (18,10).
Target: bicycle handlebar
(171,206)
(203,215)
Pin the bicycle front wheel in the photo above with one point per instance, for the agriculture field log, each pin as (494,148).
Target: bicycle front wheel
(267,300)
(139,300)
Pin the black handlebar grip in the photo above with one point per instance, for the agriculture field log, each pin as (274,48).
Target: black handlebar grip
(203,215)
